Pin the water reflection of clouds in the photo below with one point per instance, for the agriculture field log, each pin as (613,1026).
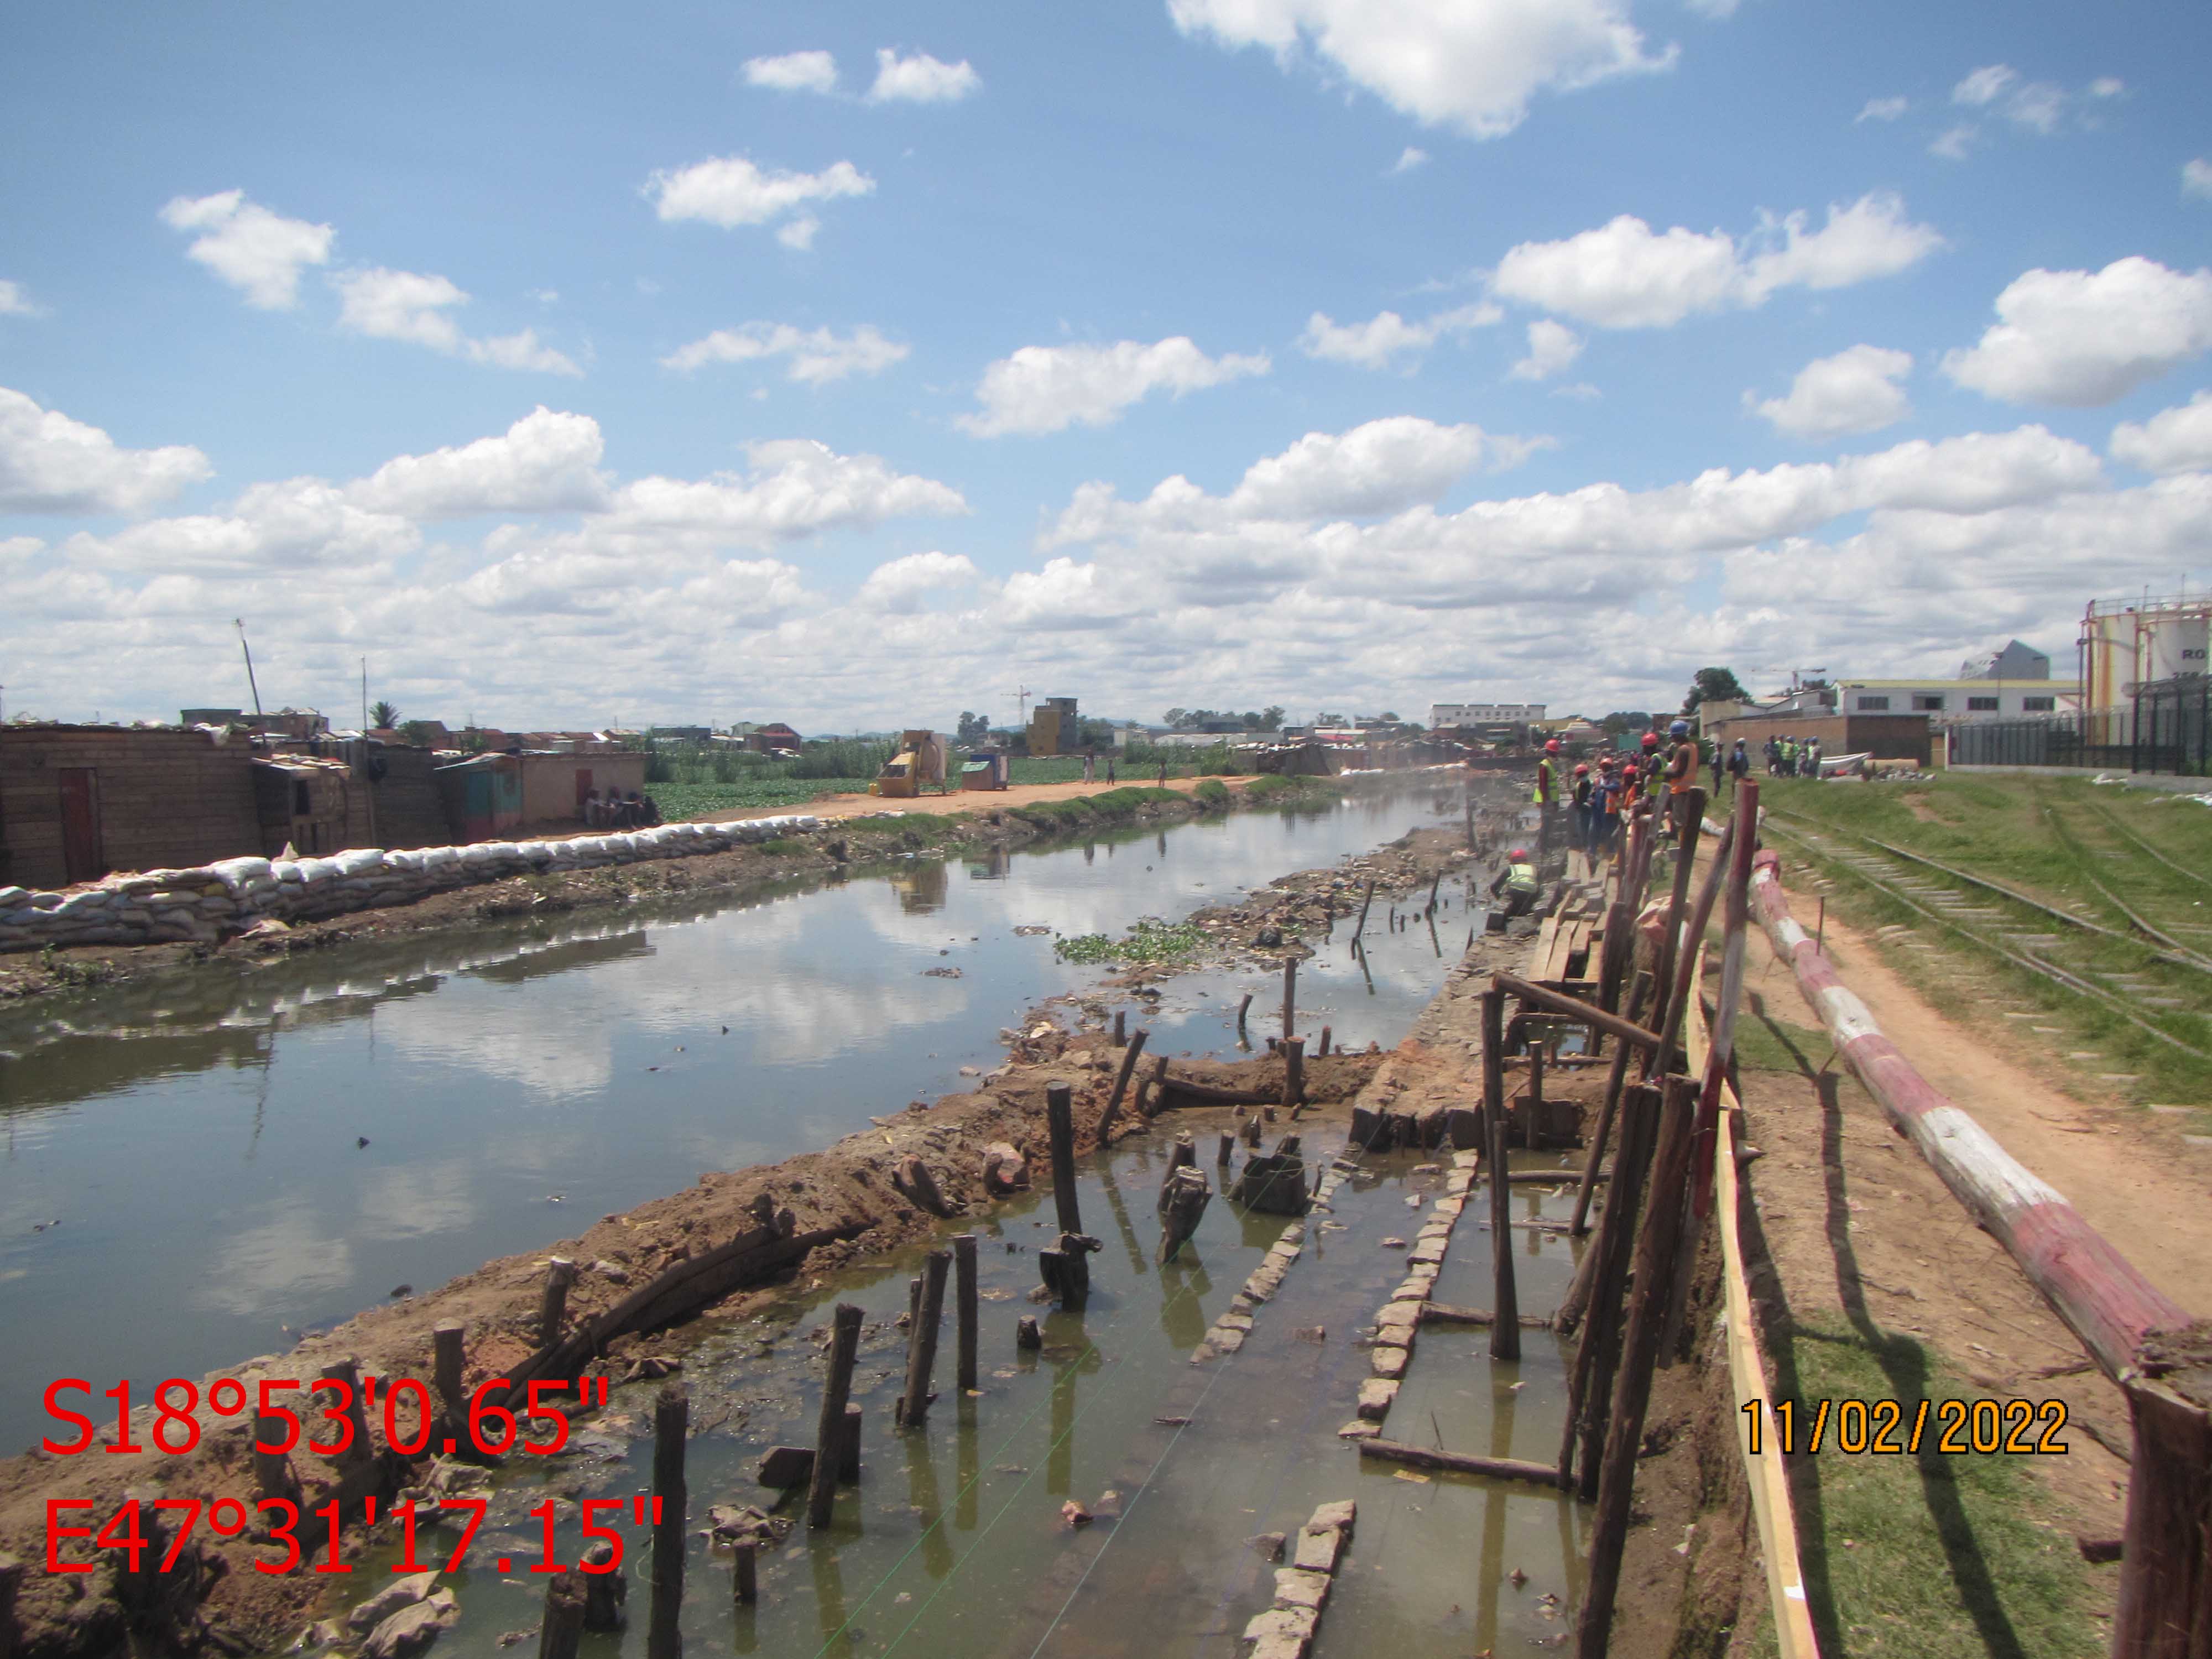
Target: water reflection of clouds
(277,1268)
(414,1200)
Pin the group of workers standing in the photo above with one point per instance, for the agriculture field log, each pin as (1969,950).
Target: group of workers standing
(1786,757)
(1601,794)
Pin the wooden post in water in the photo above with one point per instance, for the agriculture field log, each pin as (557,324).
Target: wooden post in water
(1657,1240)
(1121,1026)
(744,1575)
(1060,1128)
(1321,1053)
(1533,1136)
(560,1275)
(1135,1046)
(1289,996)
(562,1630)
(672,1423)
(922,1341)
(1672,949)
(848,1449)
(1505,1299)
(836,1394)
(448,1365)
(1228,1151)
(1366,899)
(1493,1063)
(966,1306)
(1294,1074)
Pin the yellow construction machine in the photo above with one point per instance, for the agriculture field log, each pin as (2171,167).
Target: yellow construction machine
(920,760)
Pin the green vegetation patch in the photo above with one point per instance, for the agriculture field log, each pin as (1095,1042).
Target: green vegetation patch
(1148,941)
(679,802)
(1213,794)
(1930,1556)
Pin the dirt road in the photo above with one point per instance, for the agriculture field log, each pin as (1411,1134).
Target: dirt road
(965,801)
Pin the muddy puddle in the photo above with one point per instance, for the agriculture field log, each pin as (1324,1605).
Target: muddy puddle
(197,1168)
(954,1543)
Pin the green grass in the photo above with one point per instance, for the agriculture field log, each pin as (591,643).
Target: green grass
(1148,941)
(2048,838)
(681,801)
(1931,1557)
(1213,794)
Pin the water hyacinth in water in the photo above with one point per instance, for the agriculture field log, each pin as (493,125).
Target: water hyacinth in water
(1149,940)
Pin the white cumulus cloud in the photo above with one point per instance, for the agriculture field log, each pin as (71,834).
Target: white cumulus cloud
(257,252)
(815,356)
(2172,440)
(1624,275)
(14,302)
(1408,159)
(52,464)
(2081,337)
(408,306)
(902,584)
(1882,109)
(921,79)
(2197,178)
(1469,64)
(1551,347)
(1955,143)
(1386,337)
(1854,391)
(546,462)
(793,71)
(1983,86)
(1048,388)
(730,191)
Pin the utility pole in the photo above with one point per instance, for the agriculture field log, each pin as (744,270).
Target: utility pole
(250,681)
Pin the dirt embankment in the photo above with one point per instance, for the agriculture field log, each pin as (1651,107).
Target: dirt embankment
(979,823)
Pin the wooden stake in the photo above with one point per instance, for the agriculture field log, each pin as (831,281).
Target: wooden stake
(1656,1242)
(848,1449)
(1129,1054)
(1534,1127)
(1615,1080)
(1121,1026)
(1493,1063)
(1670,946)
(1290,995)
(965,1308)
(1366,899)
(562,1630)
(448,1365)
(560,1275)
(1228,1151)
(345,1370)
(1059,1125)
(744,1575)
(1590,1379)
(1243,1008)
(672,1423)
(922,1341)
(836,1392)
(1321,1053)
(1505,1300)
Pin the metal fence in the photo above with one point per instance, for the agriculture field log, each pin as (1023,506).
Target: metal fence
(2165,727)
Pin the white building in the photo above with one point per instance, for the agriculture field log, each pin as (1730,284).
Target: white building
(1959,700)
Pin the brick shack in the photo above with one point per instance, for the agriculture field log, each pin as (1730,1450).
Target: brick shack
(77,801)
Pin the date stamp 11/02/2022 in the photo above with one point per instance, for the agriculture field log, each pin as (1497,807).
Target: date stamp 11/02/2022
(1959,1428)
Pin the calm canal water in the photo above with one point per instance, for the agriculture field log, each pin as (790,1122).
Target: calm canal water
(181,1178)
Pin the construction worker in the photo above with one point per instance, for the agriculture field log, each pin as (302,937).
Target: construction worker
(1604,811)
(1681,777)
(1581,801)
(1738,763)
(1518,882)
(1547,786)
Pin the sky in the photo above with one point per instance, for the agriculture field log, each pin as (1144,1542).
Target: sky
(858,365)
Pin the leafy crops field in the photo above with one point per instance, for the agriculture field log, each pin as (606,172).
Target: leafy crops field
(681,801)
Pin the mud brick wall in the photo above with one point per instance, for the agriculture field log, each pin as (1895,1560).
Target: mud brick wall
(410,812)
(167,797)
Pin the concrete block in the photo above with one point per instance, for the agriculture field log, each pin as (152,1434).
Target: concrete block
(1375,1394)
(1296,1589)
(1318,1548)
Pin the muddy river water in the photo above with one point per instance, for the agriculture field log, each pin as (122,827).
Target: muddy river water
(195,1169)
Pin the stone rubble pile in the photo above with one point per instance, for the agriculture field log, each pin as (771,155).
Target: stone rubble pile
(206,904)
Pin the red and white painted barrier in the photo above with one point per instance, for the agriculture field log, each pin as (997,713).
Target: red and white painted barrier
(2089,1284)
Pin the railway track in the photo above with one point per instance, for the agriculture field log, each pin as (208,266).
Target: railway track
(2134,978)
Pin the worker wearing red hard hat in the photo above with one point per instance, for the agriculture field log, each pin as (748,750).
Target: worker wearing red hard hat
(1581,800)
(1516,883)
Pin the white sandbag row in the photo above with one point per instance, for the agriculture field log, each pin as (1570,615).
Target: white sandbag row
(203,905)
